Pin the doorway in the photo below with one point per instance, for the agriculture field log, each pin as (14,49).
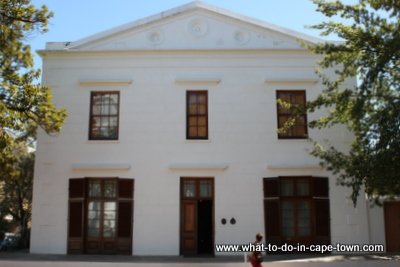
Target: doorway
(197,216)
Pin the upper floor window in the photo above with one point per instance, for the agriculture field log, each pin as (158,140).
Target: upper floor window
(104,116)
(196,115)
(290,101)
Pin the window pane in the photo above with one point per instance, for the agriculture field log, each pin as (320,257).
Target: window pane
(105,109)
(193,109)
(104,122)
(96,99)
(113,109)
(94,188)
(110,188)
(205,189)
(192,131)
(304,226)
(202,109)
(202,132)
(201,98)
(192,98)
(94,208)
(96,110)
(109,219)
(303,188)
(287,219)
(192,121)
(202,121)
(109,228)
(112,132)
(189,189)
(114,99)
(282,119)
(113,121)
(105,99)
(287,188)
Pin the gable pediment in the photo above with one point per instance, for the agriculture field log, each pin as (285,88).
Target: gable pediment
(193,26)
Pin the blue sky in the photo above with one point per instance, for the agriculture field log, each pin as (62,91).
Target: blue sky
(75,19)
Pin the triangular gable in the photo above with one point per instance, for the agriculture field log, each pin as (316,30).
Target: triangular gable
(192,26)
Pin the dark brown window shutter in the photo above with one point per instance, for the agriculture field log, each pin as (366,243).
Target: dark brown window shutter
(76,215)
(321,186)
(75,219)
(125,215)
(271,187)
(272,210)
(322,221)
(272,215)
(322,212)
(125,188)
(76,188)
(125,219)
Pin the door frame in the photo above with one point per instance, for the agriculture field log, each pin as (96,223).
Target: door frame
(194,200)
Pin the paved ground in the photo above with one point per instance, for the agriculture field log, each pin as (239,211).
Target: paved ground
(21,259)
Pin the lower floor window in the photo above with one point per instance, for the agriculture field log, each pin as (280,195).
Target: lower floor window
(296,210)
(100,215)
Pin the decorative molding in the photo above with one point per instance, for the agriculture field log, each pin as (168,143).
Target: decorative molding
(198,27)
(310,81)
(101,82)
(278,167)
(156,37)
(241,37)
(198,80)
(198,166)
(100,166)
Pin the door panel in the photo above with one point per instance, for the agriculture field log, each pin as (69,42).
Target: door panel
(392,222)
(189,235)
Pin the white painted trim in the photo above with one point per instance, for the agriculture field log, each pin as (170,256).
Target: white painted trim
(193,80)
(198,166)
(294,167)
(291,81)
(105,82)
(100,166)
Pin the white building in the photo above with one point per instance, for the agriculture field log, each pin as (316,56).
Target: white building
(170,146)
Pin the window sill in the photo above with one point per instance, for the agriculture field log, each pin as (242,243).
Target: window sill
(193,141)
(103,141)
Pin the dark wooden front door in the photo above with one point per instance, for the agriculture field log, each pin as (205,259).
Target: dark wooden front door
(392,226)
(197,216)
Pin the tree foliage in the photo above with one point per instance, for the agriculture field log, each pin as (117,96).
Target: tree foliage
(371,51)
(24,104)
(16,187)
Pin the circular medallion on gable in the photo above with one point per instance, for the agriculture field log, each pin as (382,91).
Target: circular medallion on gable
(241,37)
(155,37)
(198,28)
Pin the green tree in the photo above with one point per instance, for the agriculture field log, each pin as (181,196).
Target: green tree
(24,103)
(16,187)
(371,51)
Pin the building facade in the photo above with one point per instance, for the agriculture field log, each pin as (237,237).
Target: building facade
(171,144)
